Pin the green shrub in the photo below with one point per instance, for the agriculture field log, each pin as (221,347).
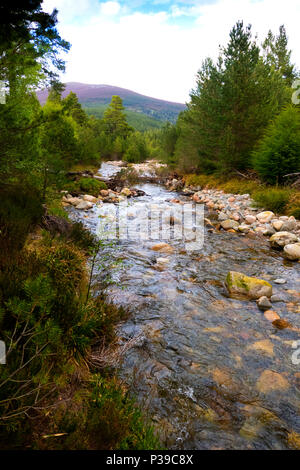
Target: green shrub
(86,185)
(103,417)
(20,210)
(278,153)
(273,199)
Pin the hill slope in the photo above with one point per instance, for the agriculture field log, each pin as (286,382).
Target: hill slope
(95,96)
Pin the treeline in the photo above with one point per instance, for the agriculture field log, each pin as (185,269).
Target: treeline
(240,116)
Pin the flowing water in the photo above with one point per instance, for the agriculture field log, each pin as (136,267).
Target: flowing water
(199,367)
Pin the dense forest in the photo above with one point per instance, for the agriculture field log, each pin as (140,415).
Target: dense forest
(242,123)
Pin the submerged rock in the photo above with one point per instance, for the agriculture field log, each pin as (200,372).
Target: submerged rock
(270,381)
(163,248)
(271,315)
(250,287)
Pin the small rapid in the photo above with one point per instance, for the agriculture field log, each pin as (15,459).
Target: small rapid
(210,370)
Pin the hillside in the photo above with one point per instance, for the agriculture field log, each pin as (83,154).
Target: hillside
(96,97)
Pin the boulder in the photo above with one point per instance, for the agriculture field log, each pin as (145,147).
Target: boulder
(263,303)
(292,251)
(74,201)
(229,224)
(250,287)
(265,217)
(280,239)
(104,192)
(89,198)
(84,205)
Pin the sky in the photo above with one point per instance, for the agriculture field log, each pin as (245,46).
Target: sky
(156,47)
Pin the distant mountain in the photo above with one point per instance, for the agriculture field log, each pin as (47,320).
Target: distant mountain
(95,96)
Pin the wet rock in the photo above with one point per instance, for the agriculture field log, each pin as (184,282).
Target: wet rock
(104,192)
(265,217)
(244,228)
(250,287)
(163,248)
(84,205)
(270,381)
(229,224)
(280,239)
(269,231)
(89,198)
(292,251)
(277,298)
(294,440)
(74,201)
(263,303)
(281,323)
(280,281)
(271,315)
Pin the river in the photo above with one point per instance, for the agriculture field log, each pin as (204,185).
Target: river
(210,371)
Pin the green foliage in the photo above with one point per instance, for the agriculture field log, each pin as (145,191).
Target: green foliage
(278,153)
(234,100)
(91,186)
(140,122)
(274,199)
(20,211)
(114,119)
(103,417)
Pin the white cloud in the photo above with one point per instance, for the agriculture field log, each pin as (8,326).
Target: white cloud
(110,8)
(156,54)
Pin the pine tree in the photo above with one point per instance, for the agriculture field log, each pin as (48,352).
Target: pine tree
(115,121)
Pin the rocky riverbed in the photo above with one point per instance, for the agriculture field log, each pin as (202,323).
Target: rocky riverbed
(215,362)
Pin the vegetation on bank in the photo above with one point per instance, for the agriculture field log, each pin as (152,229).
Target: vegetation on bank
(285,200)
(53,393)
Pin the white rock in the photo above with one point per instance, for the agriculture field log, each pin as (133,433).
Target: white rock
(84,205)
(292,251)
(89,198)
(280,281)
(280,239)
(265,217)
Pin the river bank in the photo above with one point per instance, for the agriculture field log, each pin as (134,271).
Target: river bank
(212,370)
